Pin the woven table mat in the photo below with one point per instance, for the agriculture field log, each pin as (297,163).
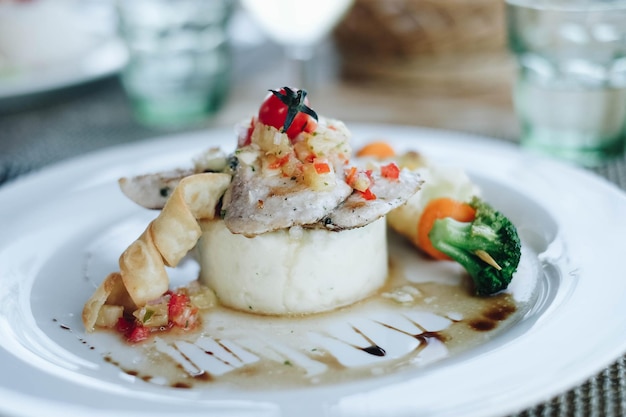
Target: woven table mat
(603,395)
(78,122)
(81,122)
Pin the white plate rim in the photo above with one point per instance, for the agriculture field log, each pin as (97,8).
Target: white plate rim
(503,156)
(105,59)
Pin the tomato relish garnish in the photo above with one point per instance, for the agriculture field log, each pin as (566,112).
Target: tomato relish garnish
(174,310)
(361,180)
(390,171)
(305,152)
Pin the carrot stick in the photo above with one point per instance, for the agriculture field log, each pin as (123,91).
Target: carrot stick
(440,208)
(377,149)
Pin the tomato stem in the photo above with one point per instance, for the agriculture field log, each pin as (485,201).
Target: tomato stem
(294,100)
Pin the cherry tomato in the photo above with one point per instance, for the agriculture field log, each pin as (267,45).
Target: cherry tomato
(274,111)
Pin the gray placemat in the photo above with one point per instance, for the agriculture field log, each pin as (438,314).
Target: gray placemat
(601,396)
(81,120)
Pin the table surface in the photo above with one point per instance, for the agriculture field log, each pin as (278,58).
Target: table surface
(37,132)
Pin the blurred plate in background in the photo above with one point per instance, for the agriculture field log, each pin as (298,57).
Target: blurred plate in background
(48,45)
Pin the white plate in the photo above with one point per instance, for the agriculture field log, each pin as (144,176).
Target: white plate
(105,59)
(49,221)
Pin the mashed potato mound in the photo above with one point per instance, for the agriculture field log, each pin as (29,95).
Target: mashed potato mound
(294,271)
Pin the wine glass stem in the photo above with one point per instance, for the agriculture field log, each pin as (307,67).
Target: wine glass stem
(300,57)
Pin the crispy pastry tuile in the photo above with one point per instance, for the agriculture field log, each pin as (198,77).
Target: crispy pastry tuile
(175,230)
(111,290)
(166,240)
(143,269)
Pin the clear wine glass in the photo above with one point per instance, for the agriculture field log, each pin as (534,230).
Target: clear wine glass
(298,26)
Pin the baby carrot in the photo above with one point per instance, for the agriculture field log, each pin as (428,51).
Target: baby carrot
(440,208)
(378,149)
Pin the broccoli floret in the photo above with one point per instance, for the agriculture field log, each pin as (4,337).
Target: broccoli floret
(488,247)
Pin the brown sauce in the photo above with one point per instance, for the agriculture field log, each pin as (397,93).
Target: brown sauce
(468,320)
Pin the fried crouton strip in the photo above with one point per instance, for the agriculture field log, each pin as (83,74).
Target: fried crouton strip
(166,240)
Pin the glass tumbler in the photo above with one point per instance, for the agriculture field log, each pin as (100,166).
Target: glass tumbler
(178,73)
(570,92)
